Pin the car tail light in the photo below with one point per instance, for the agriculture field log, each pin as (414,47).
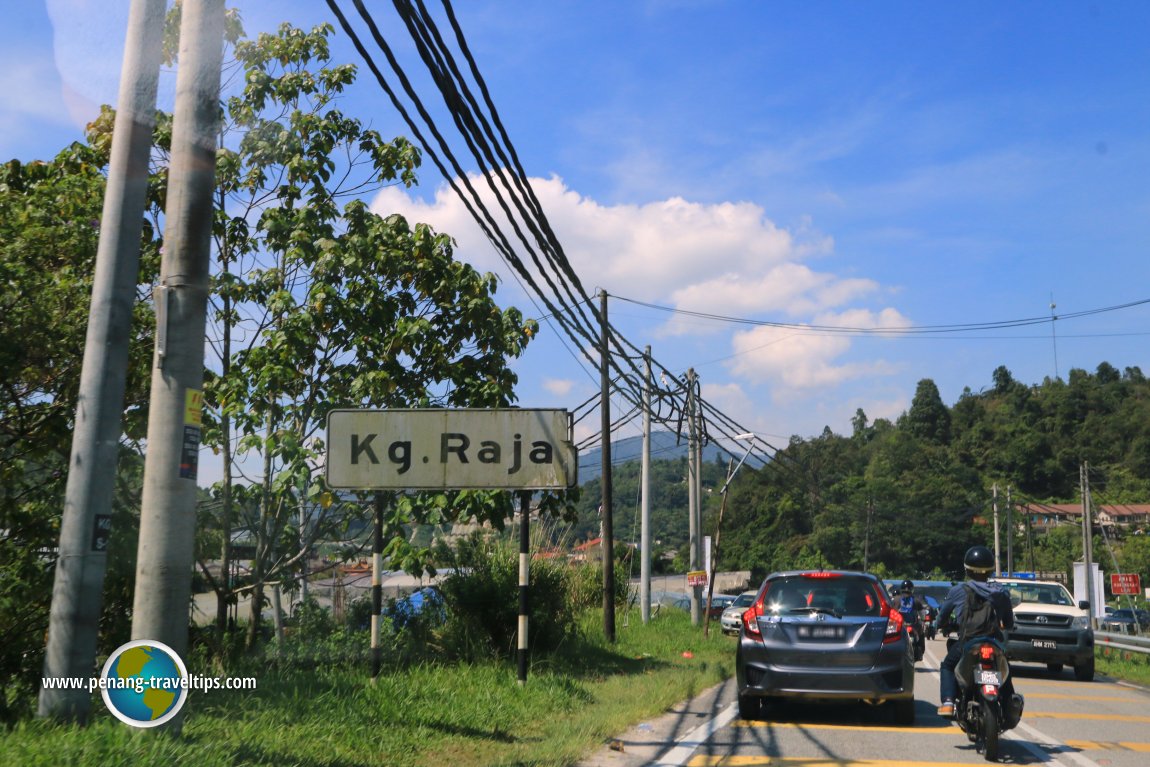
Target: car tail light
(894,625)
(751,620)
(820,574)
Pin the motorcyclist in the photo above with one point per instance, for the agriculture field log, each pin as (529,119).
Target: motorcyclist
(907,603)
(979,564)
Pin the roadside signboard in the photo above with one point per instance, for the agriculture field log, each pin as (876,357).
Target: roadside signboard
(697,578)
(1125,583)
(436,449)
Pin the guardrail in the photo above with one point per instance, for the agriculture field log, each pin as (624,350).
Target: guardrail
(1122,641)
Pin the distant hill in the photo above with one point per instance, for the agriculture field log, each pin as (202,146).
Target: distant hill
(665,446)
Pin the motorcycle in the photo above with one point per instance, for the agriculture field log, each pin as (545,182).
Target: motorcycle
(979,709)
(916,632)
(929,614)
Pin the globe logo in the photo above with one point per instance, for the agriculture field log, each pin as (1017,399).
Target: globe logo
(144,683)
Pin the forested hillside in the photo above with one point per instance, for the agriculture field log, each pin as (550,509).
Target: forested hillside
(908,497)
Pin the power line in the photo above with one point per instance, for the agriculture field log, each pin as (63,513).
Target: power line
(886,331)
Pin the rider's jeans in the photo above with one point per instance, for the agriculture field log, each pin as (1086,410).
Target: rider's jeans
(948,684)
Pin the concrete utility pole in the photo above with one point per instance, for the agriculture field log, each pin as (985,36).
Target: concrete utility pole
(1009,534)
(608,543)
(77,592)
(645,492)
(694,534)
(168,509)
(997,559)
(1088,541)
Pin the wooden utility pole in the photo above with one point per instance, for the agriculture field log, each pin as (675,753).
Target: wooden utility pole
(77,592)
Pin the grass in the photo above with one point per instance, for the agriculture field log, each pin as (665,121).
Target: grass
(427,715)
(1129,666)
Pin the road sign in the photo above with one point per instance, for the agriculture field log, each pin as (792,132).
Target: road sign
(1125,583)
(697,578)
(434,449)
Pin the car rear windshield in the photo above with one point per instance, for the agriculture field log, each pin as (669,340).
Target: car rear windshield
(841,594)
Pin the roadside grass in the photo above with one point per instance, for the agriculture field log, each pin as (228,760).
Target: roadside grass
(1122,664)
(426,715)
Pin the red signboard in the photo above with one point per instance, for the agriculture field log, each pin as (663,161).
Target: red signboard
(1125,583)
(697,578)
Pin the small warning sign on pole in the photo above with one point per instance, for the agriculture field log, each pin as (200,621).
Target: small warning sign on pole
(697,578)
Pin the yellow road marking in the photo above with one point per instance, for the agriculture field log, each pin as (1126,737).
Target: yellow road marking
(1022,681)
(1062,696)
(1101,745)
(809,761)
(952,729)
(1093,717)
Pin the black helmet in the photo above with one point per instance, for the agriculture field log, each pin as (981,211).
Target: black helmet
(979,560)
(907,586)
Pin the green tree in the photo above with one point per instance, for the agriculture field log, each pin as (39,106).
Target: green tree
(49,231)
(322,304)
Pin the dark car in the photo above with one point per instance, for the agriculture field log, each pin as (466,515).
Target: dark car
(1126,621)
(824,635)
(719,602)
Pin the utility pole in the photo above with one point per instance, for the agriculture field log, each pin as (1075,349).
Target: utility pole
(77,591)
(168,513)
(645,492)
(1009,535)
(608,544)
(694,534)
(997,559)
(1088,541)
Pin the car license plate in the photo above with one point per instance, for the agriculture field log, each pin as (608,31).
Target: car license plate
(1045,644)
(986,677)
(821,632)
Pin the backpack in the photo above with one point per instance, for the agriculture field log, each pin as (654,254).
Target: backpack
(906,604)
(978,618)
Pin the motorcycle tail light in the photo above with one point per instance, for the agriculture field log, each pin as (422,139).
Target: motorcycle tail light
(986,652)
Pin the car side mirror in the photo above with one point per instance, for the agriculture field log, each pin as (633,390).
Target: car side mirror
(1083,604)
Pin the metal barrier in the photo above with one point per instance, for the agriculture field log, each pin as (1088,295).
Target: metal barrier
(1122,641)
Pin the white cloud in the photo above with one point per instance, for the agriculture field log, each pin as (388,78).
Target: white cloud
(795,360)
(725,258)
(558,387)
(647,252)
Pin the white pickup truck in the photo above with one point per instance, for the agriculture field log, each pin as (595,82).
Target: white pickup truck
(1049,627)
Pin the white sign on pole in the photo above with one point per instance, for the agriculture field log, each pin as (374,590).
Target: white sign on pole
(434,449)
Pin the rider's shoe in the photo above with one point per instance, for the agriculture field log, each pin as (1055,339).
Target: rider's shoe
(946,709)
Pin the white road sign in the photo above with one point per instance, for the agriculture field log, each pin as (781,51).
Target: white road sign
(458,449)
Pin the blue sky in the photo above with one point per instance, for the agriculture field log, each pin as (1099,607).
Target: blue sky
(882,164)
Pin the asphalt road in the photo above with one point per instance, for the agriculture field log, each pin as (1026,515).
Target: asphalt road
(1066,723)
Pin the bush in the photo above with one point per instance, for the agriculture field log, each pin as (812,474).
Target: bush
(482,598)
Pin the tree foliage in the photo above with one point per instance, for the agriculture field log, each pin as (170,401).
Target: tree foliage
(910,497)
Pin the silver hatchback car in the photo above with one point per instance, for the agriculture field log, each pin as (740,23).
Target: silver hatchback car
(824,635)
(732,618)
